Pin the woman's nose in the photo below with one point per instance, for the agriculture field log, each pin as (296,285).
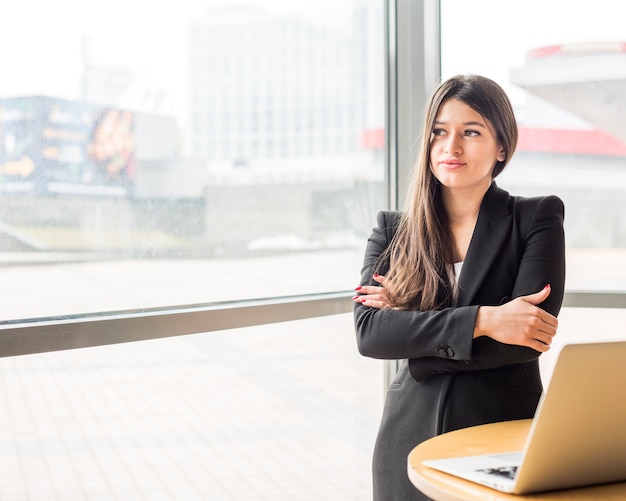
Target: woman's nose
(452,145)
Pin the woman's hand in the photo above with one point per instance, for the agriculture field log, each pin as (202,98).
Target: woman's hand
(519,322)
(373,295)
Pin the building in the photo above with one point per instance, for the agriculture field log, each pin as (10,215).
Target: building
(595,95)
(269,85)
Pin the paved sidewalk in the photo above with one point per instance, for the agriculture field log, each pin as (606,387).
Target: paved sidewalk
(279,412)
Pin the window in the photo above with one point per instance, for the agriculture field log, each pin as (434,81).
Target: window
(568,88)
(133,180)
(132,169)
(218,189)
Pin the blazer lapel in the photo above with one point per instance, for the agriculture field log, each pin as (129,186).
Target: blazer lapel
(492,228)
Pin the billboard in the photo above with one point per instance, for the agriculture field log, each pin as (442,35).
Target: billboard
(59,146)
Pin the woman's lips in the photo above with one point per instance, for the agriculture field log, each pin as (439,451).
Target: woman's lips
(451,163)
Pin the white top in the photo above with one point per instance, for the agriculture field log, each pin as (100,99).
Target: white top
(457,269)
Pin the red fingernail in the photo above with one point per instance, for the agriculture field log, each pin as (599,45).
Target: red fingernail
(355,298)
(357,288)
(376,275)
(547,285)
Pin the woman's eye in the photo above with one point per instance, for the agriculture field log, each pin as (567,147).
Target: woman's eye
(472,133)
(438,132)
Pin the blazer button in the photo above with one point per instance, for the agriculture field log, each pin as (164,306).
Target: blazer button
(442,352)
(450,352)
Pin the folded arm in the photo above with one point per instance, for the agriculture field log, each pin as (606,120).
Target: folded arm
(472,337)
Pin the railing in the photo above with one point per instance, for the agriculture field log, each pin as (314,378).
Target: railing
(80,331)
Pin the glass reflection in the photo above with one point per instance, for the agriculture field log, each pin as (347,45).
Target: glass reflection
(136,171)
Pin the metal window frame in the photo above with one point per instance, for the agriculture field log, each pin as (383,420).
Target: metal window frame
(413,66)
(412,71)
(82,331)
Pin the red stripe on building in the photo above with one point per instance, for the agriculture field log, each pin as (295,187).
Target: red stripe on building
(577,49)
(575,141)
(540,139)
(372,139)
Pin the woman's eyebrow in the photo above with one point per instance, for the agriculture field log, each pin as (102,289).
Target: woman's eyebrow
(473,123)
(480,124)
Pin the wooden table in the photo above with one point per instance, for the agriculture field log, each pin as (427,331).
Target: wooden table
(490,438)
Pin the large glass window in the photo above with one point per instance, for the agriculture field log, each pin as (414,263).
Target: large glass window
(161,156)
(564,67)
(200,151)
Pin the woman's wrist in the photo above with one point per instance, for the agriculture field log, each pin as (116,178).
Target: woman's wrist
(483,320)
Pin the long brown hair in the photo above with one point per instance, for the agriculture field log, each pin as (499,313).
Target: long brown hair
(420,256)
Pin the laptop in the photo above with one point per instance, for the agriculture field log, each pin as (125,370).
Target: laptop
(578,434)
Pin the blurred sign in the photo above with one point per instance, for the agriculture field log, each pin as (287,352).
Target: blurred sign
(55,145)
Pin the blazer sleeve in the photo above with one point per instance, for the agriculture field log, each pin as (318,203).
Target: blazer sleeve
(398,334)
(543,261)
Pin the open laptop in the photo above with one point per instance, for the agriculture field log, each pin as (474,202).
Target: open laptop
(578,434)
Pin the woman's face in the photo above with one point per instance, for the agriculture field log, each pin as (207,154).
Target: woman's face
(463,148)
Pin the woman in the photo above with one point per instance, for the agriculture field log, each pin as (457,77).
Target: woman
(463,286)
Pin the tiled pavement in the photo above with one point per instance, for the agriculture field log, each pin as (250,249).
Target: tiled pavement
(277,412)
(280,412)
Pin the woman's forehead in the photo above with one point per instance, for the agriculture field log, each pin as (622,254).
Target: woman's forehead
(457,110)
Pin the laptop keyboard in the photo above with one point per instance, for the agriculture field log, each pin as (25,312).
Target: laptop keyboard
(502,471)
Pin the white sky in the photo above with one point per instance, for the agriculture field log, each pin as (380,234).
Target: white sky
(40,40)
(490,37)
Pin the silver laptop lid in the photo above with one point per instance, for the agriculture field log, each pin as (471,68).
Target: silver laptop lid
(578,435)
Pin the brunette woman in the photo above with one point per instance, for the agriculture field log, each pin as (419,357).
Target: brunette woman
(463,286)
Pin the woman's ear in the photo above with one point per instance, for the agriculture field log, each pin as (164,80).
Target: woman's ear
(501,156)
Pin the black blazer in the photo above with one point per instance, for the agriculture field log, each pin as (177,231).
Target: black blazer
(447,380)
